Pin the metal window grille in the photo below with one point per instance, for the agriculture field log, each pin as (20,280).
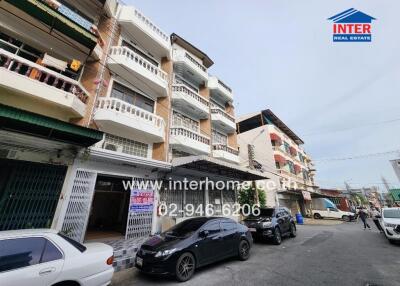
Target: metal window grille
(127,146)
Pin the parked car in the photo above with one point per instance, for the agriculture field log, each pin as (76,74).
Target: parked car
(44,257)
(191,244)
(390,221)
(333,213)
(325,208)
(272,223)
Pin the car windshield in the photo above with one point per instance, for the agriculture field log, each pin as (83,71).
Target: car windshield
(391,213)
(186,228)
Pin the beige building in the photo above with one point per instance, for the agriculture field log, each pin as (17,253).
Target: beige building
(270,146)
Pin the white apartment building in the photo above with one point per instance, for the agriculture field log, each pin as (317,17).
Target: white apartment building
(269,145)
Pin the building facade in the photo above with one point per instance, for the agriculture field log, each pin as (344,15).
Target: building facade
(93,94)
(267,144)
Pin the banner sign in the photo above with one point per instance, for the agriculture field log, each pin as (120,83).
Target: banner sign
(306,195)
(141,201)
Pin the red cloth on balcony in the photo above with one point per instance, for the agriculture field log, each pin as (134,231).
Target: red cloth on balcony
(275,137)
(297,169)
(280,159)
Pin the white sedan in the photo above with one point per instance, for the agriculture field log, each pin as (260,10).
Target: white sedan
(390,222)
(42,257)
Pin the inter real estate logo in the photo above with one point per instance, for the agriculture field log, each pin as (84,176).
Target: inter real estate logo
(352,26)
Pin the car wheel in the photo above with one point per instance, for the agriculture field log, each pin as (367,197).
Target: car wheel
(391,241)
(317,216)
(293,231)
(277,236)
(185,267)
(244,250)
(346,218)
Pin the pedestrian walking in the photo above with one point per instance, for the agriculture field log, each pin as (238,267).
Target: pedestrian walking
(363,216)
(376,215)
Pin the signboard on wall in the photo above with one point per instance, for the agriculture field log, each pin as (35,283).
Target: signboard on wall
(141,201)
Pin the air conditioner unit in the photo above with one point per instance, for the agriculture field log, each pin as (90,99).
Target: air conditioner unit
(113,147)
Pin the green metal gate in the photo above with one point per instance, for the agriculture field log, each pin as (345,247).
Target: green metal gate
(29,193)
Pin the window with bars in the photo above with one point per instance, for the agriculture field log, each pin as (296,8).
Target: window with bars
(180,80)
(139,52)
(127,146)
(180,120)
(132,97)
(219,138)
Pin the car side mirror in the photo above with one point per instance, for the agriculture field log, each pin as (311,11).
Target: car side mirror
(203,233)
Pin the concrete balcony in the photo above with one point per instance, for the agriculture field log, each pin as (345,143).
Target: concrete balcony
(222,120)
(148,35)
(26,78)
(225,153)
(219,90)
(185,140)
(188,67)
(138,71)
(120,118)
(190,102)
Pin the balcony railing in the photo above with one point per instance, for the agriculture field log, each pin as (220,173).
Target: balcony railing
(226,149)
(181,55)
(180,131)
(42,74)
(224,85)
(184,89)
(217,110)
(131,56)
(150,25)
(193,60)
(130,110)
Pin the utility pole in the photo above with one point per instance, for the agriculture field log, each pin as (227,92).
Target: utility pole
(251,155)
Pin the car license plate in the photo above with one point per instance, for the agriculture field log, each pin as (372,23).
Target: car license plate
(252,229)
(139,261)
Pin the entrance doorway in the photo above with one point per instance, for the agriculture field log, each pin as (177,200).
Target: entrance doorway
(109,211)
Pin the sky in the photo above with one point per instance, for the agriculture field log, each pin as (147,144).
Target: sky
(342,99)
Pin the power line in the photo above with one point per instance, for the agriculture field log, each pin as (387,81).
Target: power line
(357,156)
(353,127)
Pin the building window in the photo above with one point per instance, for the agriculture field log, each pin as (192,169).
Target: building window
(180,80)
(305,174)
(291,167)
(180,120)
(127,146)
(132,97)
(139,52)
(287,147)
(301,157)
(219,138)
(277,165)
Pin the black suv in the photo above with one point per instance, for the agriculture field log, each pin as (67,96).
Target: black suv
(271,223)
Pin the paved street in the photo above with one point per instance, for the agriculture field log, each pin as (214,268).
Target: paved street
(341,254)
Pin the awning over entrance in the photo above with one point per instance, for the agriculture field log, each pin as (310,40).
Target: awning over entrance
(29,123)
(54,19)
(207,166)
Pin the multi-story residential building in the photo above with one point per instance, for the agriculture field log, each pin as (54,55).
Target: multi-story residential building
(94,94)
(50,52)
(268,144)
